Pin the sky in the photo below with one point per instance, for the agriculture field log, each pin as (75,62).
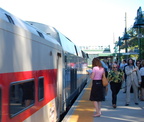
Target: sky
(85,22)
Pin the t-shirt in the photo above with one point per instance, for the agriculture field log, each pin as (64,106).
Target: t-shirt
(98,71)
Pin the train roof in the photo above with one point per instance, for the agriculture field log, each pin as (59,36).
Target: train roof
(8,17)
(66,43)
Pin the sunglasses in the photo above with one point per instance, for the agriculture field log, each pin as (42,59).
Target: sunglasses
(114,67)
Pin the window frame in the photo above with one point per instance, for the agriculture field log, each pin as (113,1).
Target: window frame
(10,19)
(25,108)
(40,99)
(40,34)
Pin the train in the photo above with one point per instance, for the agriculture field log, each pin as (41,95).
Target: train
(41,71)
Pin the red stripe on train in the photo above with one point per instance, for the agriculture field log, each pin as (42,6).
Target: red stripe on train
(50,77)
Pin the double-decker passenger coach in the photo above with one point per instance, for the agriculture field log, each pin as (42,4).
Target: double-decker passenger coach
(41,72)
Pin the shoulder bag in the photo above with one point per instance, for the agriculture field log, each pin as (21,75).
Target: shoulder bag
(104,80)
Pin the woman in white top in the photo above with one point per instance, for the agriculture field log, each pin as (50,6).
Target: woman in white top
(142,77)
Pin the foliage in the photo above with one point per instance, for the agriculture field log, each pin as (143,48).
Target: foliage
(133,43)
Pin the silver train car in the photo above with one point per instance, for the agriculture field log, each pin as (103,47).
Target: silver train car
(41,71)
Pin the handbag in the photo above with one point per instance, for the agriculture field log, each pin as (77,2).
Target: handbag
(104,80)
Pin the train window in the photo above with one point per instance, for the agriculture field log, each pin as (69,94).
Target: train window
(41,88)
(65,59)
(0,103)
(83,54)
(40,34)
(87,55)
(10,19)
(76,50)
(21,96)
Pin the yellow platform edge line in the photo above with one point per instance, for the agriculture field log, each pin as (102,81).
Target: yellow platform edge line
(83,108)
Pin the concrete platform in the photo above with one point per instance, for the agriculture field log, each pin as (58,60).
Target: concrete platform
(83,109)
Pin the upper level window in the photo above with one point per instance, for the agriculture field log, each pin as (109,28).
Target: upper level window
(83,54)
(10,19)
(40,34)
(76,50)
(21,96)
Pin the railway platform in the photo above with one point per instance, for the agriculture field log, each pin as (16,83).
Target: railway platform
(83,109)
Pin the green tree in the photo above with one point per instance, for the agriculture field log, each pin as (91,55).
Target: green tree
(133,43)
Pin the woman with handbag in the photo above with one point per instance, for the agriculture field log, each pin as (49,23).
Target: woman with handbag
(115,77)
(97,92)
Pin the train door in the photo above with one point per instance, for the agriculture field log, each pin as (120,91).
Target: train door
(59,85)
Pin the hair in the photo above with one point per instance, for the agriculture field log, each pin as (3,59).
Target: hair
(114,65)
(138,61)
(132,61)
(142,63)
(96,62)
(124,61)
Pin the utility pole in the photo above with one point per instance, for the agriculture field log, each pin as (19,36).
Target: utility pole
(126,36)
(126,44)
